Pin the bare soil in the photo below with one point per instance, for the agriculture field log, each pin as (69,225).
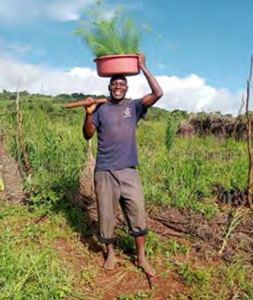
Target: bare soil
(125,279)
(10,173)
(204,239)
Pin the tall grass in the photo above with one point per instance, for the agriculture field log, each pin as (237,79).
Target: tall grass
(185,175)
(55,145)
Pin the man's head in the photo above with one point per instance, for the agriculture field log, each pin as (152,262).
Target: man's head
(118,87)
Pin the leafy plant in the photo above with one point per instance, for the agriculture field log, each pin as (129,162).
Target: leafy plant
(106,36)
(139,295)
(175,248)
(171,129)
(193,277)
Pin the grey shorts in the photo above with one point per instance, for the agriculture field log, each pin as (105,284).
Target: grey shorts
(122,187)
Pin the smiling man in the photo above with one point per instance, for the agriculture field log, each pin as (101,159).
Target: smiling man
(116,178)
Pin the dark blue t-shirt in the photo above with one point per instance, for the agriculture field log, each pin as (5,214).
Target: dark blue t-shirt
(116,128)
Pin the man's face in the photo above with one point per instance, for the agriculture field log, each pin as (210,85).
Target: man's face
(118,89)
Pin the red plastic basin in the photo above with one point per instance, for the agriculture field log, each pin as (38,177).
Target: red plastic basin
(126,64)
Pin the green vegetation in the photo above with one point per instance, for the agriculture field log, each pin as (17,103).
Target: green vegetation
(105,36)
(198,277)
(154,244)
(30,267)
(138,296)
(47,248)
(173,123)
(176,172)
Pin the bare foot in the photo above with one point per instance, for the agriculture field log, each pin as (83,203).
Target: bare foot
(110,261)
(146,267)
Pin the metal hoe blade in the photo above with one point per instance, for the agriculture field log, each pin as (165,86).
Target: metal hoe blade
(149,278)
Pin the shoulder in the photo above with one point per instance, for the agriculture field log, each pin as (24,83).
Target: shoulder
(100,107)
(136,102)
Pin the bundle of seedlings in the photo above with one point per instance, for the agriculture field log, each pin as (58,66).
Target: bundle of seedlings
(114,41)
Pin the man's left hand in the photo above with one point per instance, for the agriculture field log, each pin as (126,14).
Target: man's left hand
(142,60)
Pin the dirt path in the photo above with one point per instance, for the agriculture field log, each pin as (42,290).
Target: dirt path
(10,174)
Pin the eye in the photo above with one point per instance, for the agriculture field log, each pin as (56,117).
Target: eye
(118,84)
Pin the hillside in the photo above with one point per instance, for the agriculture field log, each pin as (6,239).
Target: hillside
(200,239)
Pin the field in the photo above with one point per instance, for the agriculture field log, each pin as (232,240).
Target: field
(200,239)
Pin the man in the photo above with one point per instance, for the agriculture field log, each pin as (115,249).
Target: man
(116,178)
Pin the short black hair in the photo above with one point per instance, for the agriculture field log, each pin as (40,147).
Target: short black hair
(117,76)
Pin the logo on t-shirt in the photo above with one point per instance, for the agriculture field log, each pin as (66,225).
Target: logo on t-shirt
(127,112)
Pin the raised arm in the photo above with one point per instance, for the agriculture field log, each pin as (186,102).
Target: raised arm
(157,92)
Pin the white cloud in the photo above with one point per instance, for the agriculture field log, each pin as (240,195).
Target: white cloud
(191,93)
(65,10)
(14,74)
(25,11)
(14,49)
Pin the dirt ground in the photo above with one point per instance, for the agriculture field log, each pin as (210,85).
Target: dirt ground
(10,174)
(203,238)
(125,279)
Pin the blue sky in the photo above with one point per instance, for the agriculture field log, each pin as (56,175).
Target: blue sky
(204,45)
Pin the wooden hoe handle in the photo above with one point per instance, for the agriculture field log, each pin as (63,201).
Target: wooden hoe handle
(84,103)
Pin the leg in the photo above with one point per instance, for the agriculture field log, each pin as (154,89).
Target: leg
(107,193)
(132,204)
(110,257)
(141,258)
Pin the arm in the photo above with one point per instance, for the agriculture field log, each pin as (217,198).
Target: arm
(88,127)
(157,92)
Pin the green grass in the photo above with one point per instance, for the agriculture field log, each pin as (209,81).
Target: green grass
(29,269)
(154,244)
(137,296)
(186,175)
(183,175)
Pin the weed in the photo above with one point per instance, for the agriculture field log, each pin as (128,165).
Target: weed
(124,241)
(153,246)
(171,129)
(139,295)
(25,272)
(199,277)
(236,220)
(175,248)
